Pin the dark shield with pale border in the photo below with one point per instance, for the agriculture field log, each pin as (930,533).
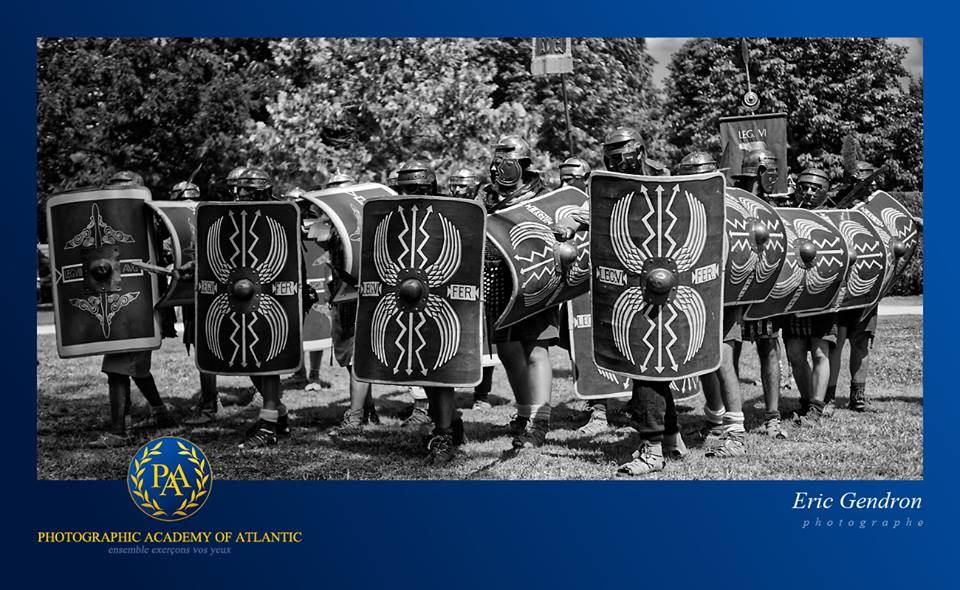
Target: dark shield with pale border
(179,218)
(592,382)
(657,282)
(102,302)
(249,298)
(756,248)
(342,206)
(898,232)
(543,271)
(419,311)
(866,259)
(815,268)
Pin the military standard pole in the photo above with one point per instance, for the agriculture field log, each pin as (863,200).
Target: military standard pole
(566,112)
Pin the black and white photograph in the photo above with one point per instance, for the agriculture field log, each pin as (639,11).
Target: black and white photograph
(482,258)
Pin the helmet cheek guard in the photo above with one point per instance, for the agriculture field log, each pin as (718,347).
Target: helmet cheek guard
(506,172)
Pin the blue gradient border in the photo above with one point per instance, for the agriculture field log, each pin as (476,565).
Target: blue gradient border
(488,534)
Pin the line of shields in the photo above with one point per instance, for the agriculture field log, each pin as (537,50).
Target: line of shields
(644,288)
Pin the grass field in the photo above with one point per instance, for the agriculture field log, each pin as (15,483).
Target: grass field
(884,443)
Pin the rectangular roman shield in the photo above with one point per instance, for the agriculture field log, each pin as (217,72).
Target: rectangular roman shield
(816,266)
(866,259)
(756,248)
(317,327)
(419,310)
(898,232)
(657,281)
(543,272)
(179,218)
(589,380)
(248,280)
(739,135)
(592,382)
(102,302)
(342,205)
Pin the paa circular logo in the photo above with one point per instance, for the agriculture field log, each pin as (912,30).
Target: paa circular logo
(169,479)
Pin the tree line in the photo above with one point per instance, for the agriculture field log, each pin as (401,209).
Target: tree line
(172,109)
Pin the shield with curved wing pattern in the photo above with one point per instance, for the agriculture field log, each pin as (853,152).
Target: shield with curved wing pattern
(249,300)
(419,312)
(342,205)
(179,218)
(592,382)
(867,259)
(756,242)
(816,266)
(102,302)
(657,282)
(541,274)
(898,232)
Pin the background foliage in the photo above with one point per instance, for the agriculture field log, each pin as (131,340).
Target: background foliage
(304,108)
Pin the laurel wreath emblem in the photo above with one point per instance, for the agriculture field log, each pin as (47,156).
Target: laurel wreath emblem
(150,505)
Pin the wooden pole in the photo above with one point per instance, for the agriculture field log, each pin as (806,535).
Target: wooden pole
(566,112)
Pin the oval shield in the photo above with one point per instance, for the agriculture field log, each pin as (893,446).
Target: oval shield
(543,273)
(179,218)
(866,256)
(898,232)
(815,268)
(343,205)
(756,243)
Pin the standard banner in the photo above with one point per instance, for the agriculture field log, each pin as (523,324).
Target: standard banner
(543,271)
(816,266)
(102,301)
(419,310)
(179,218)
(739,135)
(657,282)
(249,299)
(756,248)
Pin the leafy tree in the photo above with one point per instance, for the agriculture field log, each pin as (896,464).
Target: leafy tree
(365,105)
(611,85)
(160,107)
(827,87)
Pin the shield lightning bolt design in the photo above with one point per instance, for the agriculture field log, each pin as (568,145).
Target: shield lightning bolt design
(242,236)
(411,340)
(660,335)
(817,278)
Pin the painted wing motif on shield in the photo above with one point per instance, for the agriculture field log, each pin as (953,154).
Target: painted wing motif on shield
(660,334)
(413,264)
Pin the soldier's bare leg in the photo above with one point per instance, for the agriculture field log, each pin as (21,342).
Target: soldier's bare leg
(768,349)
(514,363)
(537,386)
(265,431)
(836,359)
(820,375)
(713,409)
(732,442)
(797,353)
(159,414)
